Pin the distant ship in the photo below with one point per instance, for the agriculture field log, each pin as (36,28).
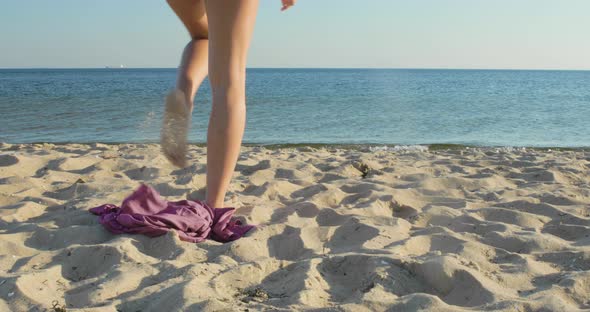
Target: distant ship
(120,66)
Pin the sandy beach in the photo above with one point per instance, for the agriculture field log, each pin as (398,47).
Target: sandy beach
(340,229)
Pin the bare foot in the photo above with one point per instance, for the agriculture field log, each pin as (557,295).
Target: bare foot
(175,126)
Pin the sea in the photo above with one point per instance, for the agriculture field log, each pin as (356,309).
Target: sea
(508,108)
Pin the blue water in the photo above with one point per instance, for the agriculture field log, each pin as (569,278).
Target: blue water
(474,107)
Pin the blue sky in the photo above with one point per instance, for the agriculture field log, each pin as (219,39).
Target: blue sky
(520,34)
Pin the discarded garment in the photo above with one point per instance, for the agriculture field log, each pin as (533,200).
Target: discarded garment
(145,212)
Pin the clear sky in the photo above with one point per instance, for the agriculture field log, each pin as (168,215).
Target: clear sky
(520,34)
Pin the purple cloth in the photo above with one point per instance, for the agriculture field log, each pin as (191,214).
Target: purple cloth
(145,212)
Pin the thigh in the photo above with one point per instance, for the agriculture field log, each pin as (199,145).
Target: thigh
(231,23)
(193,15)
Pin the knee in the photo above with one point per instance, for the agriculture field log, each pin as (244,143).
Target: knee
(232,79)
(201,35)
(229,92)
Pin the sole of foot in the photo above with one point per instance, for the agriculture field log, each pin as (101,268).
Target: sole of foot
(175,127)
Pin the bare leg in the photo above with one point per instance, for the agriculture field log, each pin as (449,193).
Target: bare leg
(191,73)
(231,23)
(193,68)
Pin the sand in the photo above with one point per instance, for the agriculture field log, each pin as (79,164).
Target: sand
(341,230)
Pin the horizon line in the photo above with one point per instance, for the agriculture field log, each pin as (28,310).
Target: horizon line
(343,68)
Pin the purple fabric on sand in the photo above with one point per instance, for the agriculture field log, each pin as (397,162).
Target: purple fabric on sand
(145,212)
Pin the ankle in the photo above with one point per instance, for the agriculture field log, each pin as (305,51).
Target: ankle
(188,99)
(189,103)
(215,205)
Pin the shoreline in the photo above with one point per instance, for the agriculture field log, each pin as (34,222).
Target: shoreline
(345,146)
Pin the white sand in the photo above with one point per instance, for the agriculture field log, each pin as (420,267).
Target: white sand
(478,229)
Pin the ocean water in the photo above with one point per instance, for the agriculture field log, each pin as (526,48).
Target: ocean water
(343,106)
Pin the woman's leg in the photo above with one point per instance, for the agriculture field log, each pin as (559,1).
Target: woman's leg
(193,65)
(231,23)
(191,73)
